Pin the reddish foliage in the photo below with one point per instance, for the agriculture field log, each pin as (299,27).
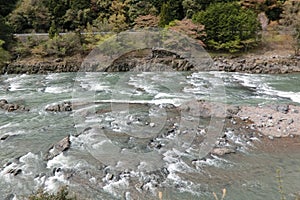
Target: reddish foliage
(146,21)
(186,26)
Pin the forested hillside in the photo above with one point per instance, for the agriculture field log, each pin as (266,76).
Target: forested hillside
(220,25)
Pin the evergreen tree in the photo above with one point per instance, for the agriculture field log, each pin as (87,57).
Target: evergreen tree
(170,11)
(53,30)
(228,26)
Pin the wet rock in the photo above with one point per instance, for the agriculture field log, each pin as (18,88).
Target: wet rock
(109,177)
(222,151)
(283,109)
(290,121)
(10,107)
(271,137)
(82,132)
(61,146)
(4,137)
(63,107)
(232,110)
(10,197)
(14,172)
(152,124)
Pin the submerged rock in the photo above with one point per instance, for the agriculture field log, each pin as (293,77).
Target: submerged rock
(14,172)
(10,107)
(63,107)
(222,151)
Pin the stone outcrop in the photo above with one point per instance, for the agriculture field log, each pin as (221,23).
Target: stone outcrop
(41,67)
(258,65)
(56,149)
(10,107)
(62,107)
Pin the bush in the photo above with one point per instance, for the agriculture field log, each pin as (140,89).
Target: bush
(229,27)
(62,194)
(60,45)
(4,55)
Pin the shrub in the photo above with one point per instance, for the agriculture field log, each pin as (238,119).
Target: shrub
(228,26)
(60,45)
(4,55)
(62,194)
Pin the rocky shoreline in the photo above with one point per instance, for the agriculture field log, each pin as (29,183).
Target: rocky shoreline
(255,64)
(259,64)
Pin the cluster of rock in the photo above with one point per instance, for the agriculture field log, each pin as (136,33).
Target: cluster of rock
(10,107)
(256,65)
(62,107)
(273,121)
(149,60)
(56,66)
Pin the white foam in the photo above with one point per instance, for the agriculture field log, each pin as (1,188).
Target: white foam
(57,90)
(53,183)
(114,187)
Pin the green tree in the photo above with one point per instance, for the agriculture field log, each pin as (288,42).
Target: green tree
(7,6)
(165,15)
(53,30)
(30,15)
(118,19)
(138,8)
(4,55)
(5,34)
(228,26)
(171,10)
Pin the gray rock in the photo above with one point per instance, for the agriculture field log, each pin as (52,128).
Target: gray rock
(61,146)
(14,172)
(222,151)
(4,137)
(63,107)
(10,107)
(283,108)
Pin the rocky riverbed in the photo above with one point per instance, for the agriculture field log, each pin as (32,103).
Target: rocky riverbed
(243,127)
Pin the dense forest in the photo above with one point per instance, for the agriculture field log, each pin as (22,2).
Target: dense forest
(220,25)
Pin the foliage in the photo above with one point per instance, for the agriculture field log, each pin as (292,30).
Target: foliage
(171,10)
(146,21)
(30,15)
(53,30)
(62,194)
(228,26)
(4,55)
(291,22)
(272,8)
(7,6)
(91,39)
(138,8)
(60,45)
(186,26)
(5,33)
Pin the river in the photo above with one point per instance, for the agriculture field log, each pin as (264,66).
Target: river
(122,165)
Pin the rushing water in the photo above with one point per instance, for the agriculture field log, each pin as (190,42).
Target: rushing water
(249,174)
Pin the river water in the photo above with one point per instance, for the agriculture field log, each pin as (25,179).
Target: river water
(121,165)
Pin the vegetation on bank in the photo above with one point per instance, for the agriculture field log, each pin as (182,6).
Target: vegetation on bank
(219,25)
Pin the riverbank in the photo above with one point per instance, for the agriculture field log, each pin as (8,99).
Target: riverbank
(267,63)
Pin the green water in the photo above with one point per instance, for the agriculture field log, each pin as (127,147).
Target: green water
(249,174)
